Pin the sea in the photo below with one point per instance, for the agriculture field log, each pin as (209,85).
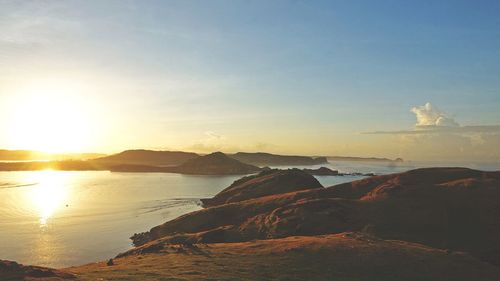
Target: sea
(60,218)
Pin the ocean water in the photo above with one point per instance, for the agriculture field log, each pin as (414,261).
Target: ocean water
(59,219)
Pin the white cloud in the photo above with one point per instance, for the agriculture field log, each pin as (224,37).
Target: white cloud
(433,129)
(431,120)
(437,134)
(213,141)
(429,115)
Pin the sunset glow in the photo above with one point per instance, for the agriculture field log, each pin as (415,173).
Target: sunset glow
(249,140)
(49,194)
(292,78)
(49,117)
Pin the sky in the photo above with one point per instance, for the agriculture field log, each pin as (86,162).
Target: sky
(413,79)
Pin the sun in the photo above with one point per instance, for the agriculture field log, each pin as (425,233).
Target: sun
(49,117)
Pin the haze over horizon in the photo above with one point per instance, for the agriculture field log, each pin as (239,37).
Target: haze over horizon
(388,79)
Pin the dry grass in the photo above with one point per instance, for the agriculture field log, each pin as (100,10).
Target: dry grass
(346,257)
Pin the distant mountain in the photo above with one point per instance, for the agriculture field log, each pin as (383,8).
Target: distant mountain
(65,165)
(268,159)
(29,155)
(363,159)
(216,163)
(148,157)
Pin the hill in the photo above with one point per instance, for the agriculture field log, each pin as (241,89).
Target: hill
(148,157)
(343,256)
(267,159)
(448,208)
(13,271)
(216,163)
(265,183)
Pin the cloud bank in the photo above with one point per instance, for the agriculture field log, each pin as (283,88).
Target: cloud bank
(437,135)
(431,120)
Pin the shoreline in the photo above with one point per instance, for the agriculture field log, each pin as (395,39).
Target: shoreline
(271,222)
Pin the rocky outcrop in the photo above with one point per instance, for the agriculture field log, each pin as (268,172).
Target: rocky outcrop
(265,183)
(323,171)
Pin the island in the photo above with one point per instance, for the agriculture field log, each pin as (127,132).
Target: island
(147,157)
(268,159)
(364,159)
(146,161)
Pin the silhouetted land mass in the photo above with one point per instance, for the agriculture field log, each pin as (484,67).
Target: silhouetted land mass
(173,158)
(28,155)
(323,171)
(363,159)
(69,165)
(148,157)
(134,168)
(425,224)
(212,164)
(216,163)
(268,159)
(10,270)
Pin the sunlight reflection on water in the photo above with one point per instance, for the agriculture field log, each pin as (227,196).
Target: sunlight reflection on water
(58,219)
(49,194)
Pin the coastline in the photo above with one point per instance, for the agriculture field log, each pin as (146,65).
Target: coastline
(318,247)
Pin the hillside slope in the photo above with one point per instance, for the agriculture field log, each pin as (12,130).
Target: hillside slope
(216,163)
(148,157)
(344,256)
(449,208)
(265,183)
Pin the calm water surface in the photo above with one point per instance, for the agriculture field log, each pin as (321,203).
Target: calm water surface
(55,218)
(59,219)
